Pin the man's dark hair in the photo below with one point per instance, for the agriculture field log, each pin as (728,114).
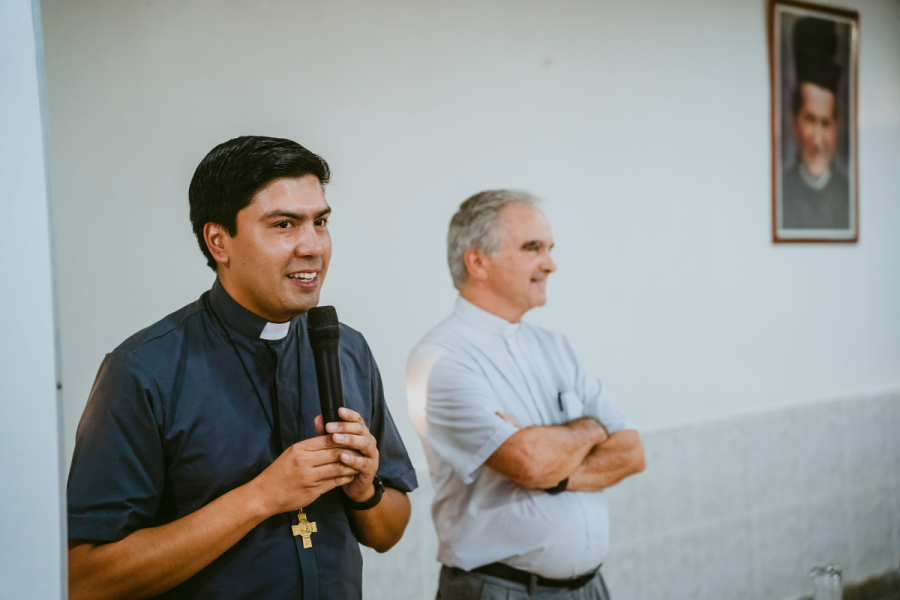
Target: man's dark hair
(228,178)
(815,44)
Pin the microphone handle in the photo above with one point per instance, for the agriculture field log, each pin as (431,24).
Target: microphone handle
(326,354)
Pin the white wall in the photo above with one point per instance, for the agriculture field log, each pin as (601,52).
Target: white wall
(644,125)
(32,528)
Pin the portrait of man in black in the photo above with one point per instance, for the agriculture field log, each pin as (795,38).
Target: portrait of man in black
(814,104)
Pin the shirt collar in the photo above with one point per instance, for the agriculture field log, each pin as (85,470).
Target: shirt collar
(244,321)
(483,320)
(816,183)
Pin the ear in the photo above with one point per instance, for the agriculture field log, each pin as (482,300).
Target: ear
(476,264)
(217,242)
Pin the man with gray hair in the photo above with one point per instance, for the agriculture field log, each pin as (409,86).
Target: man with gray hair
(521,438)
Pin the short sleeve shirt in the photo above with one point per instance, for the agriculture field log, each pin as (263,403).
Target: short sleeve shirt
(201,403)
(463,372)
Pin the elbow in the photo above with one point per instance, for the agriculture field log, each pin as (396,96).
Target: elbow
(535,474)
(640,461)
(384,546)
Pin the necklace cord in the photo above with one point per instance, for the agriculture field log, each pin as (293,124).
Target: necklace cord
(275,426)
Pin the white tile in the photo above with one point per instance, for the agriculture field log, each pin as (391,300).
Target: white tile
(623,571)
(668,486)
(891,403)
(895,521)
(871,533)
(724,561)
(626,500)
(828,536)
(779,565)
(671,568)
(821,464)
(773,469)
(867,447)
(723,452)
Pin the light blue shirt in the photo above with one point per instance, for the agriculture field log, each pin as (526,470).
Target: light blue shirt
(470,366)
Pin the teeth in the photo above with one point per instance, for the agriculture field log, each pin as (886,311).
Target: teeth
(303,276)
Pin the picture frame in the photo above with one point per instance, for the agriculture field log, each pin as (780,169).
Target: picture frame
(814,60)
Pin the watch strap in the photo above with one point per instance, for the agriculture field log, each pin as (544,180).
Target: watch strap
(371,502)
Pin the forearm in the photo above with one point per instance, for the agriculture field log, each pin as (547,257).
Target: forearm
(609,463)
(383,525)
(151,561)
(539,457)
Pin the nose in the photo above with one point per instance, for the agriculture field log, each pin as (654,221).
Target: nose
(549,265)
(308,242)
(818,134)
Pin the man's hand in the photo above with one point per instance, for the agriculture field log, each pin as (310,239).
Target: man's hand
(359,452)
(540,456)
(381,526)
(509,419)
(301,474)
(609,463)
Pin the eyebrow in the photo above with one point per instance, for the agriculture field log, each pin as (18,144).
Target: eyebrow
(534,245)
(295,216)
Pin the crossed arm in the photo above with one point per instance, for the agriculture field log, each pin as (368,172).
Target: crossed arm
(151,561)
(541,456)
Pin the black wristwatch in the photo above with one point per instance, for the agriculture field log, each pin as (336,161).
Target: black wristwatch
(559,488)
(371,502)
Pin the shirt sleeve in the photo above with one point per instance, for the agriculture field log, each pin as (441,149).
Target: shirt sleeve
(394,466)
(598,402)
(118,468)
(461,423)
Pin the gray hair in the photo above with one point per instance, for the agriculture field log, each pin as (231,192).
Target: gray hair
(475,226)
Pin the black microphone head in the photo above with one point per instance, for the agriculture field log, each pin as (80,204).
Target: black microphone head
(322,324)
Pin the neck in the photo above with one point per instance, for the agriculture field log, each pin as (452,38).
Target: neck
(816,182)
(240,295)
(488,301)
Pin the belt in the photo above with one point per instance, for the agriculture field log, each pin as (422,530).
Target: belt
(532,580)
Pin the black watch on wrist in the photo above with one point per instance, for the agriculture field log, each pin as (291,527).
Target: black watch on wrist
(559,488)
(371,502)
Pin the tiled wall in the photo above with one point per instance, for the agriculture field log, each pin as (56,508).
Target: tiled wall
(736,509)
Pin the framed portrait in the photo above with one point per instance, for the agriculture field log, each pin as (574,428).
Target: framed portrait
(815,66)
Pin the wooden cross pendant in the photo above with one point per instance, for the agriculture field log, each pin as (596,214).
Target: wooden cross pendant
(304,528)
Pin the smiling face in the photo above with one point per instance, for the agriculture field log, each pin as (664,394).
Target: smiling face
(815,128)
(275,264)
(517,274)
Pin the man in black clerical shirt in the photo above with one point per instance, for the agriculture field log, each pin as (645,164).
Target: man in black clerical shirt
(202,468)
(815,193)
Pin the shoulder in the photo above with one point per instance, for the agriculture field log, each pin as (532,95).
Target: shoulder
(355,348)
(450,336)
(163,338)
(839,179)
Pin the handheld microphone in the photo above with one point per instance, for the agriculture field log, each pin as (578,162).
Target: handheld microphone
(325,338)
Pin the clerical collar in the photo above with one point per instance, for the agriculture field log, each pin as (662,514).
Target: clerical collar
(816,183)
(483,320)
(243,321)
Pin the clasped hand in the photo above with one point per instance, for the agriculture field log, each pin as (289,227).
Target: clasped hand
(344,455)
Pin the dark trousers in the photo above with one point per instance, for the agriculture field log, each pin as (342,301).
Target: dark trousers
(456,584)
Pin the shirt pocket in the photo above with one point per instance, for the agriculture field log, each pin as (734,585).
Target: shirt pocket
(571,405)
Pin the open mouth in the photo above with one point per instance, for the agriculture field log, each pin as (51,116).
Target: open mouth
(304,277)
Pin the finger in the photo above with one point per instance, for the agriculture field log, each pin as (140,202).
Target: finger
(339,481)
(347,427)
(350,415)
(335,470)
(360,463)
(320,430)
(321,442)
(363,443)
(328,456)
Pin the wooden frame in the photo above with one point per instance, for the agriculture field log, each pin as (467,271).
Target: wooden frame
(819,202)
